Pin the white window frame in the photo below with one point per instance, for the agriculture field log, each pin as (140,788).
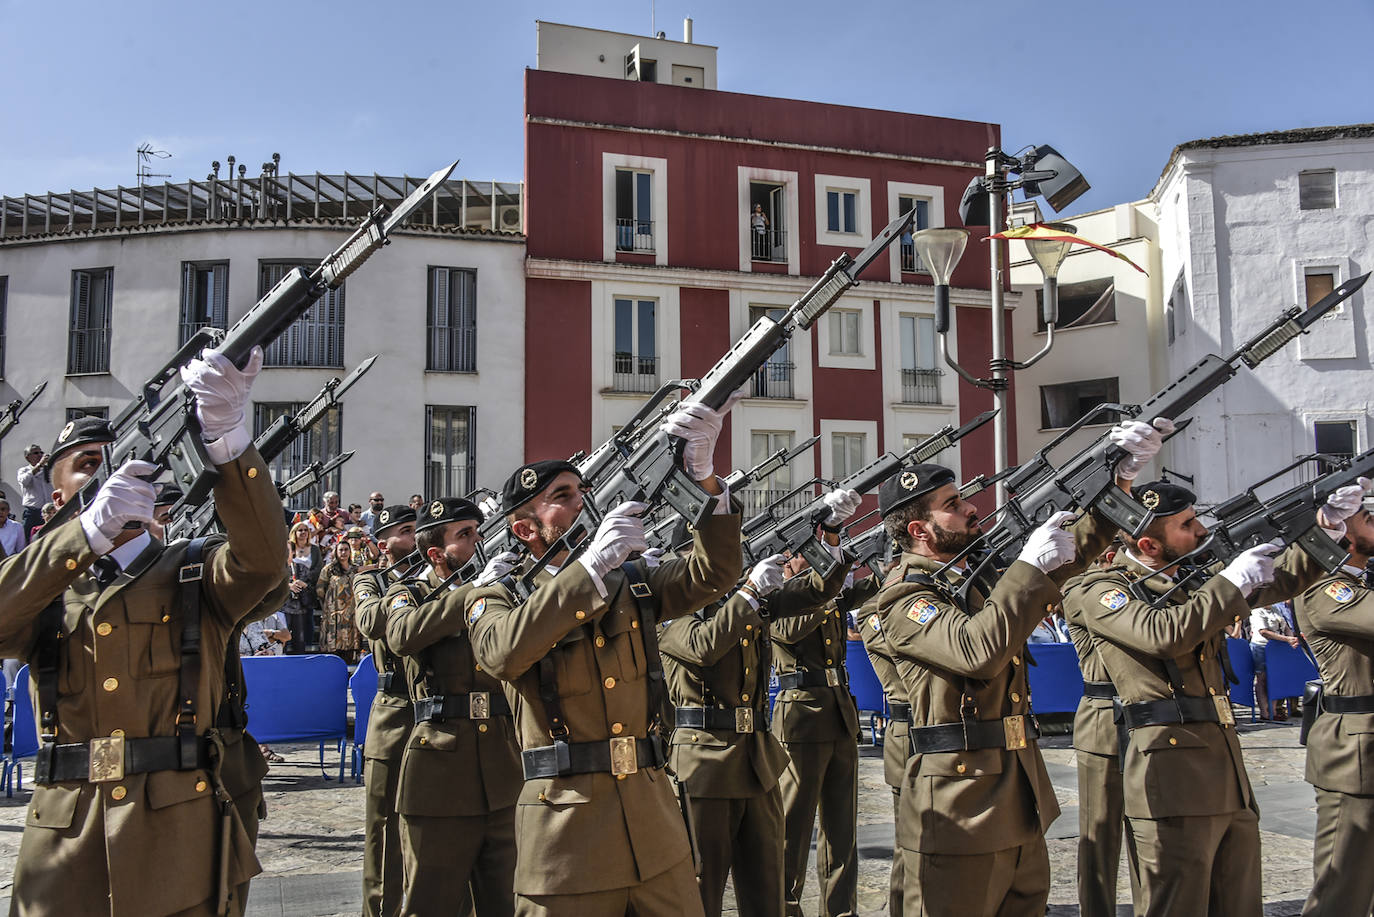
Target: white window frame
(1333,336)
(863,210)
(635,303)
(865,358)
(933,194)
(610,162)
(791,207)
(867,428)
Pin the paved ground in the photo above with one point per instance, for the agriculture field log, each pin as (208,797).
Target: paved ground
(311,844)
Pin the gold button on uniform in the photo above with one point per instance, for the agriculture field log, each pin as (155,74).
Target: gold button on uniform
(424,741)
(477,667)
(1016,660)
(748,627)
(252,473)
(111,684)
(617,728)
(118,793)
(1015,698)
(609,682)
(71,564)
(744,642)
(201,786)
(600,641)
(632,624)
(827,641)
(166,618)
(1211,690)
(116,733)
(744,697)
(1173,741)
(542,797)
(579,615)
(961,767)
(481,727)
(103,628)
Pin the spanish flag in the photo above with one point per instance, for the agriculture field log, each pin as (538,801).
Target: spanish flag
(1049,233)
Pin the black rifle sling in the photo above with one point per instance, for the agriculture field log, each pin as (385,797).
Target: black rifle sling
(648,628)
(233,711)
(47,657)
(189,575)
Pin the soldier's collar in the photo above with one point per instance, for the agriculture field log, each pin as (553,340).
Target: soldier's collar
(1356,572)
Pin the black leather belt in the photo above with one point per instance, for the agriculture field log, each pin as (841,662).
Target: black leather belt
(477,705)
(805,678)
(727,719)
(1334,703)
(898,711)
(1179,709)
(392,683)
(1010,732)
(619,756)
(1099,689)
(384,680)
(114,758)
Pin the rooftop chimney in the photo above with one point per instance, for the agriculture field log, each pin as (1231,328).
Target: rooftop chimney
(687,30)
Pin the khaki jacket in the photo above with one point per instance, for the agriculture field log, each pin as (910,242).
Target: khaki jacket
(1094,723)
(896,743)
(595,832)
(392,717)
(722,660)
(459,766)
(119,673)
(1336,615)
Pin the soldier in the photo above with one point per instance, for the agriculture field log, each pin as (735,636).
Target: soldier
(818,723)
(599,831)
(388,725)
(717,664)
(460,772)
(1336,615)
(1188,801)
(128,774)
(896,744)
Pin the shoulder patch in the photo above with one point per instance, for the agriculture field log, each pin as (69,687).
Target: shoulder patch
(922,610)
(1114,599)
(364,591)
(1341,592)
(401,601)
(476,610)
(875,623)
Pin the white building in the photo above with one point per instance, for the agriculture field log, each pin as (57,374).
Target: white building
(98,289)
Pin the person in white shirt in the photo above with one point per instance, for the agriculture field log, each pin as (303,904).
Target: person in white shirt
(1267,623)
(12,538)
(34,487)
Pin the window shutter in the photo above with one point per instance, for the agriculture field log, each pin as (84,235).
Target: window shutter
(219,308)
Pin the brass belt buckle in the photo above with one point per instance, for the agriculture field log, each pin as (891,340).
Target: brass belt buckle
(1014,730)
(832,678)
(106,759)
(1225,715)
(624,756)
(479,705)
(744,719)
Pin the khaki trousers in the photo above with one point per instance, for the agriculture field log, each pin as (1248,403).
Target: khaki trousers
(672,893)
(1006,883)
(1197,864)
(824,777)
(743,836)
(383,872)
(897,879)
(1342,875)
(1101,823)
(455,863)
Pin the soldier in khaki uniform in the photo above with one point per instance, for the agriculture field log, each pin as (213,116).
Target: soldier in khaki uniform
(132,775)
(896,743)
(598,830)
(1188,800)
(460,773)
(1336,615)
(388,725)
(717,664)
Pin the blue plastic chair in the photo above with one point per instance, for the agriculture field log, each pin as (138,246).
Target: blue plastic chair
(1243,691)
(865,686)
(1289,671)
(25,734)
(298,698)
(1056,682)
(363,686)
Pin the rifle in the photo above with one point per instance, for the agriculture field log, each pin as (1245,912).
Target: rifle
(1088,480)
(9,417)
(765,534)
(310,475)
(160,424)
(273,441)
(869,548)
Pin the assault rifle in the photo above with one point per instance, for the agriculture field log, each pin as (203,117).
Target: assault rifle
(161,426)
(273,441)
(871,547)
(309,476)
(766,534)
(1088,480)
(9,417)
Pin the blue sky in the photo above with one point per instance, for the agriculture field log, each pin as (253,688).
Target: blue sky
(400,87)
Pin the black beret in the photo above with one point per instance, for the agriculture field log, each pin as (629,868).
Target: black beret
(168,495)
(81,432)
(530,480)
(398,514)
(446,510)
(1164,497)
(911,482)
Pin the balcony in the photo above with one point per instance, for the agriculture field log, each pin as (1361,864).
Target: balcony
(911,262)
(88,351)
(634,236)
(769,245)
(757,500)
(630,373)
(773,380)
(921,386)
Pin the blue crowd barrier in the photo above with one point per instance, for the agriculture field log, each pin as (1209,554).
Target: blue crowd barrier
(1288,669)
(298,698)
(863,681)
(363,686)
(24,734)
(1056,682)
(1243,664)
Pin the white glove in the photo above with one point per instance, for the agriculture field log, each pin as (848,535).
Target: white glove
(221,390)
(496,568)
(766,576)
(652,557)
(124,497)
(842,503)
(1341,505)
(620,534)
(1050,546)
(1141,440)
(1253,568)
(489,506)
(698,426)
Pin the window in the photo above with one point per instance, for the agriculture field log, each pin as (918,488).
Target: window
(1176,310)
(634,211)
(846,453)
(841,211)
(318,443)
(844,331)
(452,327)
(912,440)
(88,411)
(774,378)
(766,222)
(1335,438)
(88,339)
(648,71)
(635,363)
(1317,189)
(314,339)
(451,462)
(204,297)
(1063,404)
(1089,302)
(759,496)
(4,309)
(920,378)
(911,262)
(1318,282)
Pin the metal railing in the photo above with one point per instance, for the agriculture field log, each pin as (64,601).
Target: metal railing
(452,350)
(921,386)
(911,262)
(634,236)
(757,500)
(630,373)
(88,351)
(769,245)
(773,380)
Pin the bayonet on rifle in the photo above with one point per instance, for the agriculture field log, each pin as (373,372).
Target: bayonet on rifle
(273,441)
(9,417)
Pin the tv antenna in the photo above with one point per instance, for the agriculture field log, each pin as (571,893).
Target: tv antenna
(146,155)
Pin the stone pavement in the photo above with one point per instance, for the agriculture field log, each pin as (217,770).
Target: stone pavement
(311,843)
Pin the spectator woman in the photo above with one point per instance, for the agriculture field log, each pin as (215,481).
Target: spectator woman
(303,561)
(1268,623)
(338,627)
